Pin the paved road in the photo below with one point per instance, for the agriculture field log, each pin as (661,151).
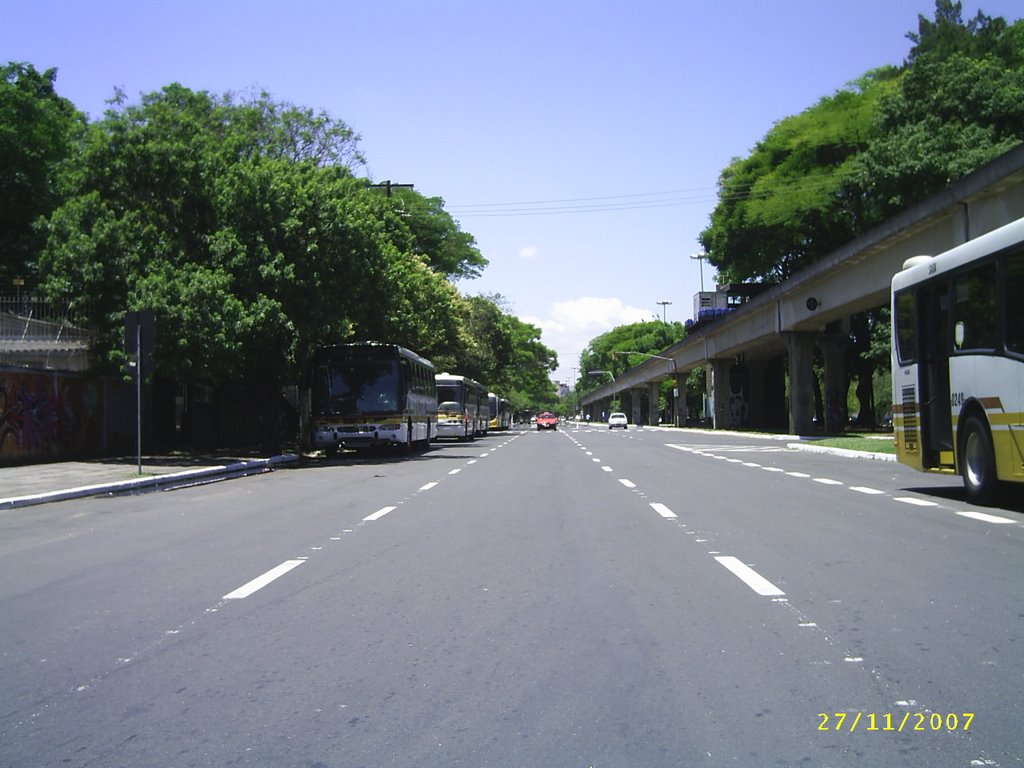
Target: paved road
(571,598)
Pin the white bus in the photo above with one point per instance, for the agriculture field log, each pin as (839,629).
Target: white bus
(958,362)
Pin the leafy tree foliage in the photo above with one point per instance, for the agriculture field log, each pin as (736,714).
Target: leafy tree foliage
(960,104)
(242,225)
(37,128)
(890,139)
(794,199)
(607,351)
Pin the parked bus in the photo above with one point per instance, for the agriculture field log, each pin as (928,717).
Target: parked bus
(370,394)
(958,361)
(500,412)
(462,407)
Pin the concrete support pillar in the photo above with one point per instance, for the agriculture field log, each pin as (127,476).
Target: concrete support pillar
(636,395)
(718,389)
(833,347)
(653,396)
(757,400)
(801,381)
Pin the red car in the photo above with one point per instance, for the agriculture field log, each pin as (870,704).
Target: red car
(547,420)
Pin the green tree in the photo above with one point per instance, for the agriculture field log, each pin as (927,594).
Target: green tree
(794,198)
(960,104)
(607,352)
(37,128)
(243,228)
(437,236)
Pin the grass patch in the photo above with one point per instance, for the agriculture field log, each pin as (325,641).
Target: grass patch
(871,444)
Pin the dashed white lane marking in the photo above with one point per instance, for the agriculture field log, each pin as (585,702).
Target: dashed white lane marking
(428,486)
(378,514)
(455,471)
(987,518)
(662,510)
(607,469)
(750,577)
(914,501)
(917,502)
(261,581)
(627,483)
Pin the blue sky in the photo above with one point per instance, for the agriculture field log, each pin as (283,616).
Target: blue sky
(578,142)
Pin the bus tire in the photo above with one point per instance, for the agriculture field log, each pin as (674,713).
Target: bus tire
(978,462)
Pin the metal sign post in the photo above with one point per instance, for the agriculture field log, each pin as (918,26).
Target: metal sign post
(139,337)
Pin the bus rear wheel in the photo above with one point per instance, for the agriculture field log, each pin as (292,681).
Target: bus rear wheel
(978,463)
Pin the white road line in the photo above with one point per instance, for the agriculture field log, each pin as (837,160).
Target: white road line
(455,471)
(750,577)
(826,481)
(986,518)
(261,581)
(773,469)
(428,486)
(864,489)
(607,469)
(915,502)
(378,514)
(798,474)
(662,510)
(627,483)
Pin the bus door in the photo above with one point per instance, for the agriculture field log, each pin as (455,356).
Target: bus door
(937,422)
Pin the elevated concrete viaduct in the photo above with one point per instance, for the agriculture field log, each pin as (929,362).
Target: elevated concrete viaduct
(752,352)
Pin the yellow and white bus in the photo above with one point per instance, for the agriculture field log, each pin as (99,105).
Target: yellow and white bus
(500,412)
(958,361)
(461,407)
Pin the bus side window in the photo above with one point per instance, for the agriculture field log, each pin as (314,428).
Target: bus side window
(1012,291)
(975,292)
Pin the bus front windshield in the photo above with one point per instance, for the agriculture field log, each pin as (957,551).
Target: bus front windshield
(351,387)
(449,398)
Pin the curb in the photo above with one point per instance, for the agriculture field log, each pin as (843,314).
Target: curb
(185,477)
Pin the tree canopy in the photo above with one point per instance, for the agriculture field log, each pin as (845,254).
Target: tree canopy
(242,224)
(37,128)
(886,141)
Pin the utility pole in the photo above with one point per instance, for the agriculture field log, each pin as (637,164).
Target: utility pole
(387,186)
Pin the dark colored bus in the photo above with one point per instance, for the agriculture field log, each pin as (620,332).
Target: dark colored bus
(369,395)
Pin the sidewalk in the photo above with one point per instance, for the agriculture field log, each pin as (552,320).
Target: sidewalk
(25,485)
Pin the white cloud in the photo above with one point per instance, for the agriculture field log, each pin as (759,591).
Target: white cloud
(530,253)
(571,325)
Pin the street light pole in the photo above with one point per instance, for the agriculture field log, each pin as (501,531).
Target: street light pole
(700,257)
(663,305)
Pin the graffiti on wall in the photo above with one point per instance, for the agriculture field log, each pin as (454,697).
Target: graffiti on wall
(45,414)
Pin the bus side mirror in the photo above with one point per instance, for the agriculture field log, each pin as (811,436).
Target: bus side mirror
(958,334)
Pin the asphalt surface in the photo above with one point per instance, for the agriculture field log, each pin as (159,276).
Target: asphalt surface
(577,598)
(30,484)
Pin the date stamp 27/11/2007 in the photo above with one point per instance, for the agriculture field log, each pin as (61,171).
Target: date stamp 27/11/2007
(899,722)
